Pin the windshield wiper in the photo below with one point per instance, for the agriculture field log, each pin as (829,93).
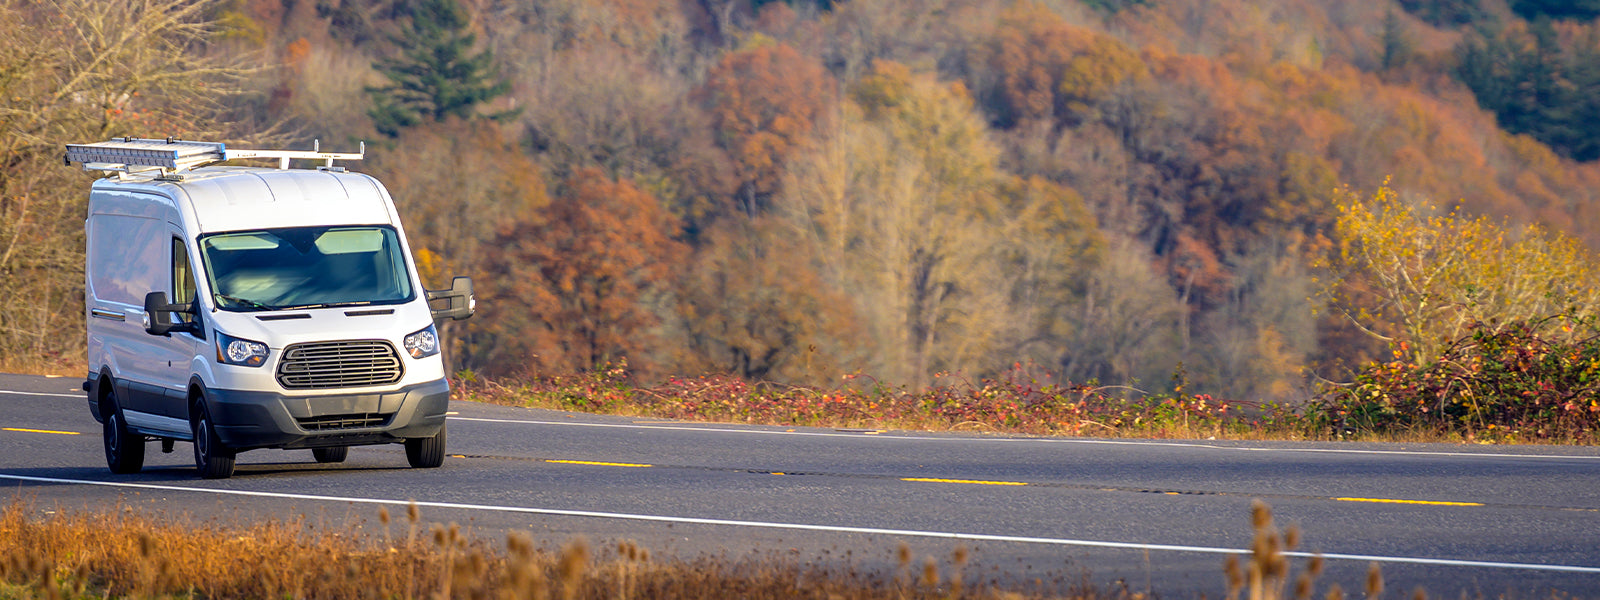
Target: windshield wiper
(325,305)
(244,301)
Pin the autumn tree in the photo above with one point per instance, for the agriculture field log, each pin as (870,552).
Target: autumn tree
(907,207)
(1257,344)
(765,101)
(755,304)
(935,33)
(603,108)
(572,288)
(79,71)
(1038,66)
(1052,240)
(1126,326)
(1418,278)
(455,183)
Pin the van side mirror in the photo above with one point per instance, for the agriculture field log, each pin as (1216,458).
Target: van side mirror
(458,300)
(158,315)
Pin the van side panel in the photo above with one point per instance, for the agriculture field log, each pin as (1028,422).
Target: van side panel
(127,256)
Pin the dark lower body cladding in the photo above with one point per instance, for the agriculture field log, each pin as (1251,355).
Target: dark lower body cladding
(245,420)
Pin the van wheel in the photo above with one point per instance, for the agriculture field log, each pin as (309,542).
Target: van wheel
(426,453)
(124,450)
(335,454)
(210,457)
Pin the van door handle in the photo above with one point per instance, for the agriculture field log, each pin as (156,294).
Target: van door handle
(102,313)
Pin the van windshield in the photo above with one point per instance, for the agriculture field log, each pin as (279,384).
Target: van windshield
(305,267)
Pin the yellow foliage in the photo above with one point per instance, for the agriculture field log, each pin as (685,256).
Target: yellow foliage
(1100,65)
(1419,278)
(428,265)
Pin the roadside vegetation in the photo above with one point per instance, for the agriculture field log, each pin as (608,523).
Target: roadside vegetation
(119,553)
(1512,386)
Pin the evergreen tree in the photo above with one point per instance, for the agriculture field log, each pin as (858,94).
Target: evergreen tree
(436,74)
(1557,9)
(1483,64)
(1446,13)
(1535,86)
(1396,41)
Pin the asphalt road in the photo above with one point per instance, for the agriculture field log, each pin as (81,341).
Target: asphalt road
(1157,516)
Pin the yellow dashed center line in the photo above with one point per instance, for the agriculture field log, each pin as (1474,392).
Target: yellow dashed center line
(1425,502)
(40,431)
(943,480)
(599,464)
(971,481)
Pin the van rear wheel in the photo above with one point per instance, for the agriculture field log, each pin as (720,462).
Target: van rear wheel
(124,449)
(426,453)
(335,454)
(211,458)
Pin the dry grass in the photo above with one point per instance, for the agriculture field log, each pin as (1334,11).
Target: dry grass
(31,364)
(119,553)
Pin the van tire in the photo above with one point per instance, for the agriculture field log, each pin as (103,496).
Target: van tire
(211,458)
(335,454)
(426,453)
(124,449)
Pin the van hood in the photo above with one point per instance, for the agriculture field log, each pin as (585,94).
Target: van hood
(280,328)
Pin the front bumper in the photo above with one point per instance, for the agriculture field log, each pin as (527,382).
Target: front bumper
(246,420)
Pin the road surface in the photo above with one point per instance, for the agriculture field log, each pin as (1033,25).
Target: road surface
(1154,515)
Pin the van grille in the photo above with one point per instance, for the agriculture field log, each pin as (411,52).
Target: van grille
(324,365)
(336,422)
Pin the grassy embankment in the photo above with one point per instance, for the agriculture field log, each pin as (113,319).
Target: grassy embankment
(120,554)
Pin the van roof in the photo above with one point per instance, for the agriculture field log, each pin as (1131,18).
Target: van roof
(242,198)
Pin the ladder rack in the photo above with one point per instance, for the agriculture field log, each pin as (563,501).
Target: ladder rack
(171,158)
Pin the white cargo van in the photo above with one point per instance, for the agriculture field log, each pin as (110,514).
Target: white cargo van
(246,307)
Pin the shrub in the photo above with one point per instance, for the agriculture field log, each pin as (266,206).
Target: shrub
(1527,380)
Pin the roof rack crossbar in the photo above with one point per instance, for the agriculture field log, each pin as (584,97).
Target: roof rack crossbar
(171,157)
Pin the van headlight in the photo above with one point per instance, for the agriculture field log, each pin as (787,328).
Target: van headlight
(423,344)
(245,353)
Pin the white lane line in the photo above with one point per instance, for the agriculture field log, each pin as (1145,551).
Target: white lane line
(689,426)
(11,393)
(980,537)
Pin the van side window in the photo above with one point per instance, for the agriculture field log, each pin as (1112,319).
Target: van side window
(183,290)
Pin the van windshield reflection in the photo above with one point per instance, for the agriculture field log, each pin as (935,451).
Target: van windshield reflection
(305,267)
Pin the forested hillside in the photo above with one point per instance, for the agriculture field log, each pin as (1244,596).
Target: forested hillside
(792,191)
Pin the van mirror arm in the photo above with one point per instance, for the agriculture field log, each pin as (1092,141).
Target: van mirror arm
(158,315)
(459,301)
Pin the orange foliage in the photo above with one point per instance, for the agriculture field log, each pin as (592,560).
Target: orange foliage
(294,55)
(1048,68)
(765,102)
(571,288)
